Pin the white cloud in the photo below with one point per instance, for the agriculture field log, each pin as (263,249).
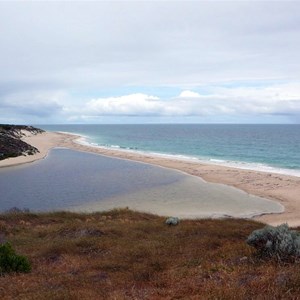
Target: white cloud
(280,99)
(189,94)
(135,105)
(129,105)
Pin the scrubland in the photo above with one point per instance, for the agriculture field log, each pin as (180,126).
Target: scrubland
(122,254)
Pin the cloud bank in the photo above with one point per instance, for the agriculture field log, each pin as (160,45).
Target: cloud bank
(214,61)
(275,100)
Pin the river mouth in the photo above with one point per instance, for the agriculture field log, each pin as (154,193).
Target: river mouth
(79,181)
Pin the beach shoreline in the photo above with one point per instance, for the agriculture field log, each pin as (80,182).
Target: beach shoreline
(282,188)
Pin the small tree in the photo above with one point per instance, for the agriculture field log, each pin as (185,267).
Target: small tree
(280,242)
(11,262)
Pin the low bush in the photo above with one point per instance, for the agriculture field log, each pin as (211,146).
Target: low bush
(280,242)
(11,262)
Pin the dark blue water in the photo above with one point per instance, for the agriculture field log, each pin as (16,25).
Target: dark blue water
(263,147)
(68,178)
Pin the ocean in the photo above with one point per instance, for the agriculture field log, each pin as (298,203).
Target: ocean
(270,148)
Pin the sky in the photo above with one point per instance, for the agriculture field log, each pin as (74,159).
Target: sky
(149,62)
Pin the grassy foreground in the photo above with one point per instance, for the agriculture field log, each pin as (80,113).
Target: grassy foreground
(128,255)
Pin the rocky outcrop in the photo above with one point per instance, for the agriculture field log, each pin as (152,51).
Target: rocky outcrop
(11,144)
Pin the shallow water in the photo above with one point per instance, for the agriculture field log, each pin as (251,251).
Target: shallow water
(68,177)
(73,180)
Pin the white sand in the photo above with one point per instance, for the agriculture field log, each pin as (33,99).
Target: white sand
(43,142)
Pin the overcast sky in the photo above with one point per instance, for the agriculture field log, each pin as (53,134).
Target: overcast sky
(150,62)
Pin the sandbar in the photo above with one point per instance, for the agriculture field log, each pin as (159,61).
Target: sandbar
(282,188)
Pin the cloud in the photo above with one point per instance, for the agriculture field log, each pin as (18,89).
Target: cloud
(189,94)
(217,103)
(136,105)
(146,46)
(96,44)
(35,104)
(281,99)
(129,105)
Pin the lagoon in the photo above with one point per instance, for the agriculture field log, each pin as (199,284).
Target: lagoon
(80,181)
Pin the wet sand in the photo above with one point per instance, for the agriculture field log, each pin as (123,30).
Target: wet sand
(281,188)
(188,198)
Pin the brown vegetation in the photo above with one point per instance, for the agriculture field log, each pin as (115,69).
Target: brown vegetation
(128,255)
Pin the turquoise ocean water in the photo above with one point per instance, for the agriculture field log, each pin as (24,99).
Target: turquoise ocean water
(274,148)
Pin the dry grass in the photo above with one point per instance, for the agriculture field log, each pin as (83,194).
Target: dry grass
(127,255)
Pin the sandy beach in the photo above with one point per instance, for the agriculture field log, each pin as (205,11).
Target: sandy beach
(281,188)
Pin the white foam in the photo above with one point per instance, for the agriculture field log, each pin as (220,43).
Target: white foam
(217,160)
(259,167)
(72,133)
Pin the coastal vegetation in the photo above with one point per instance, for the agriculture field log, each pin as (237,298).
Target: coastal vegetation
(12,262)
(11,144)
(280,242)
(121,254)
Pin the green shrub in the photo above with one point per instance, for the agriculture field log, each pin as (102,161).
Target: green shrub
(280,242)
(11,262)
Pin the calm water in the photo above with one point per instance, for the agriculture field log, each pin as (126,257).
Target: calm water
(71,180)
(67,178)
(273,148)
